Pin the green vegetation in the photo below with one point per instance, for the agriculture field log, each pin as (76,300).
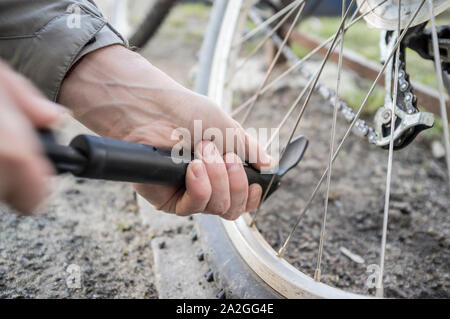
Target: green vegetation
(299,50)
(359,38)
(183,22)
(195,10)
(355,97)
(364,40)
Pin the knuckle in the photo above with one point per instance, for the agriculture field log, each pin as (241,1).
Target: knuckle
(200,193)
(230,158)
(238,210)
(239,187)
(182,213)
(221,207)
(231,216)
(227,218)
(224,206)
(201,196)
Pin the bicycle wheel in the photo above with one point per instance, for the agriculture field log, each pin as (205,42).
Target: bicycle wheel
(245,261)
(139,20)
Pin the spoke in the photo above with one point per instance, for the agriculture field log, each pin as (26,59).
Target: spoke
(437,62)
(295,104)
(347,133)
(305,103)
(288,114)
(317,272)
(263,41)
(379,286)
(274,62)
(297,101)
(269,21)
(298,63)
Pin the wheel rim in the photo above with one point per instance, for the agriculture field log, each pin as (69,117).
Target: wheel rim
(253,248)
(257,253)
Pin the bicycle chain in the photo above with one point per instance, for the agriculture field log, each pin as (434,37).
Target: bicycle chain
(405,97)
(361,128)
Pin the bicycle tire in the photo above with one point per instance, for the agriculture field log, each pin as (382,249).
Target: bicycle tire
(231,272)
(238,275)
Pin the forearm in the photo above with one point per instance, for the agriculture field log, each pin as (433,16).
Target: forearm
(117,93)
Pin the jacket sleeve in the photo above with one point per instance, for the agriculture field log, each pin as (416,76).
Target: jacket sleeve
(42,39)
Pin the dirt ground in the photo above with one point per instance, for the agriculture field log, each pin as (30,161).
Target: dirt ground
(96,225)
(93,224)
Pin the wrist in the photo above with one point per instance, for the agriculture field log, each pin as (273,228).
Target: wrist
(115,91)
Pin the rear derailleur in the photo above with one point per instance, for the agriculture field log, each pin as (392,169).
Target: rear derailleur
(408,121)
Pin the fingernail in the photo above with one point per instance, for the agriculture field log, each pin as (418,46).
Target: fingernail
(198,169)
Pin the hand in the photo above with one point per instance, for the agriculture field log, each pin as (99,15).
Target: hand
(125,97)
(23,168)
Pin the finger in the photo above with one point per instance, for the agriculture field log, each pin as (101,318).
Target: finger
(23,169)
(238,186)
(256,155)
(27,183)
(40,111)
(238,141)
(162,197)
(198,190)
(254,197)
(219,201)
(16,130)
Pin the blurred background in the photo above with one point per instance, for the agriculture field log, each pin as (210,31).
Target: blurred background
(98,225)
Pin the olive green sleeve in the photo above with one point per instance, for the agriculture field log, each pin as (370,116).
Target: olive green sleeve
(42,39)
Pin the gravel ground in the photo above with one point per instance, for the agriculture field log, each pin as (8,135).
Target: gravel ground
(96,225)
(93,224)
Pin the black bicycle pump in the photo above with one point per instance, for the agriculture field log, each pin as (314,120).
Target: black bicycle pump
(115,160)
